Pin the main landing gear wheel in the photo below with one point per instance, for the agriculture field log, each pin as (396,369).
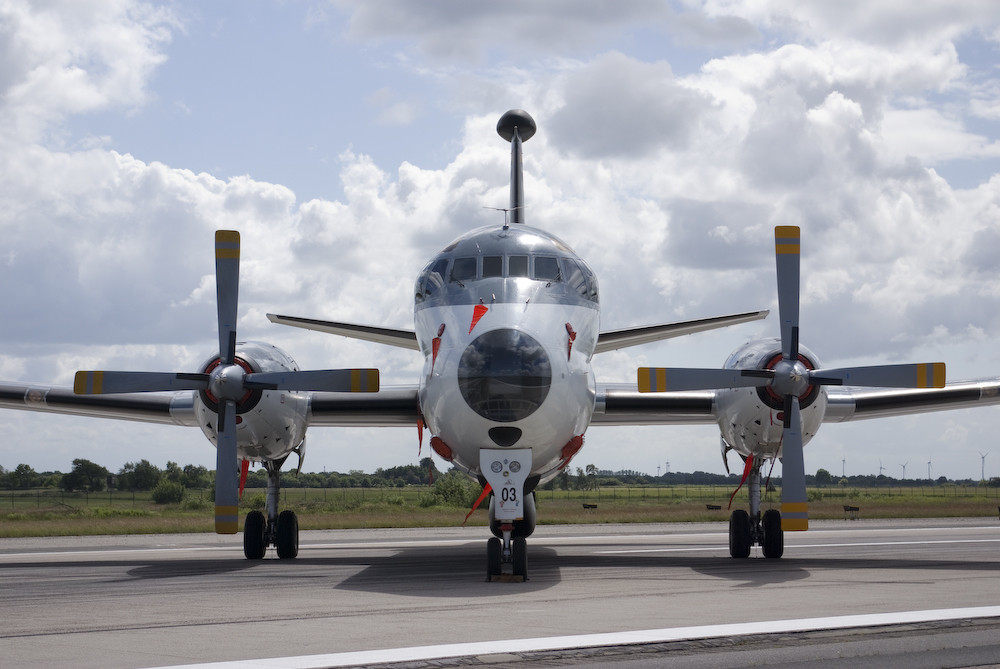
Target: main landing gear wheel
(254,536)
(739,534)
(773,541)
(287,536)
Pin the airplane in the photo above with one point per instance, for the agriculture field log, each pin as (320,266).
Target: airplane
(507,320)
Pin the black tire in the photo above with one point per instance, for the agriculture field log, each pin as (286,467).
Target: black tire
(519,548)
(254,541)
(739,534)
(494,558)
(774,537)
(287,537)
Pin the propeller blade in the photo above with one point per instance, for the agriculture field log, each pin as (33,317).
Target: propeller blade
(329,380)
(102,383)
(227,284)
(917,375)
(794,503)
(786,249)
(663,379)
(227,473)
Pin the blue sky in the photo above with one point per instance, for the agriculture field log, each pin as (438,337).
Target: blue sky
(349,141)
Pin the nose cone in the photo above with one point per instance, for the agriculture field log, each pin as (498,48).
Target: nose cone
(504,375)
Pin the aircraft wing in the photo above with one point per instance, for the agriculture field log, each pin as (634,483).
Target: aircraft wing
(392,337)
(622,404)
(391,405)
(847,404)
(168,409)
(616,339)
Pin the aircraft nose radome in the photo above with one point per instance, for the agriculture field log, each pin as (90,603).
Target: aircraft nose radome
(504,375)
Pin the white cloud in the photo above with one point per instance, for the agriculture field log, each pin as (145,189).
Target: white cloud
(668,184)
(74,57)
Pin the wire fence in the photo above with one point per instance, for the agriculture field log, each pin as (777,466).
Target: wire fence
(13,500)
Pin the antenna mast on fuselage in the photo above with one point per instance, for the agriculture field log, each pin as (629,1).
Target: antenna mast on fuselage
(516,126)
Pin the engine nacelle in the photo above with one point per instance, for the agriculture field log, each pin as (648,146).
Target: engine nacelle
(751,419)
(270,424)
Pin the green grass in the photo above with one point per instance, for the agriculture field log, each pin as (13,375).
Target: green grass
(52,513)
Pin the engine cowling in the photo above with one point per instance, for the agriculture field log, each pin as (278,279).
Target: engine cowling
(750,419)
(270,424)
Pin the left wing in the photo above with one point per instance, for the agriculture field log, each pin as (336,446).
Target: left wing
(847,404)
(623,404)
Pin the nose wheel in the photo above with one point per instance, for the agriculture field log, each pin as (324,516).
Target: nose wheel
(507,558)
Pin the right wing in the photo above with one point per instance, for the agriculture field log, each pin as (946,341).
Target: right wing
(387,407)
(173,409)
(391,405)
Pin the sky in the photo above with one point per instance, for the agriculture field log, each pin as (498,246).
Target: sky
(350,141)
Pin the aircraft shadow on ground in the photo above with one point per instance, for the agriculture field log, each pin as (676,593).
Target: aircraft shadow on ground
(460,570)
(436,572)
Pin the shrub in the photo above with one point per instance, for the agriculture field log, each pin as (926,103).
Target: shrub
(168,492)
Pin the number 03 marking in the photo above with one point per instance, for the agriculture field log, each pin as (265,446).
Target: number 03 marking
(508,494)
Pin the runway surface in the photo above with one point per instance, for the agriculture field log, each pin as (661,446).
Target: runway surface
(627,595)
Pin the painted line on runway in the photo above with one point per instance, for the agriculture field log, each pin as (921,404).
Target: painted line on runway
(579,641)
(628,551)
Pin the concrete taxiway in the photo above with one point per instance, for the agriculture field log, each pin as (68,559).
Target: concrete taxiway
(181,599)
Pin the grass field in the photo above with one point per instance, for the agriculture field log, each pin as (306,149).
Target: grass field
(53,513)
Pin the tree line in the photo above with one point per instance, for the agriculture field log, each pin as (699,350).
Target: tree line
(87,476)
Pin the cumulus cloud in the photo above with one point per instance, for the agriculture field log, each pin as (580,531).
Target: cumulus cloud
(457,30)
(668,180)
(74,57)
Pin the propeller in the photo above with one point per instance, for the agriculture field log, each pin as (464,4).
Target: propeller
(791,379)
(227,381)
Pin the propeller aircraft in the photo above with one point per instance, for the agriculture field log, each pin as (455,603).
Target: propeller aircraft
(507,320)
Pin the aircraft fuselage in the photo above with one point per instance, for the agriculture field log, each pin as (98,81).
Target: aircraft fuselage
(507,320)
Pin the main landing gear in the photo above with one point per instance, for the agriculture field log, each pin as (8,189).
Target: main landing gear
(750,529)
(278,530)
(507,551)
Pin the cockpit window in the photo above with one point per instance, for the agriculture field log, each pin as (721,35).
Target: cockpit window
(464,269)
(435,278)
(546,268)
(517,266)
(492,266)
(579,278)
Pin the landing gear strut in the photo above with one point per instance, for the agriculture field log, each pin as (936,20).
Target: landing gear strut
(754,529)
(278,530)
(507,552)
